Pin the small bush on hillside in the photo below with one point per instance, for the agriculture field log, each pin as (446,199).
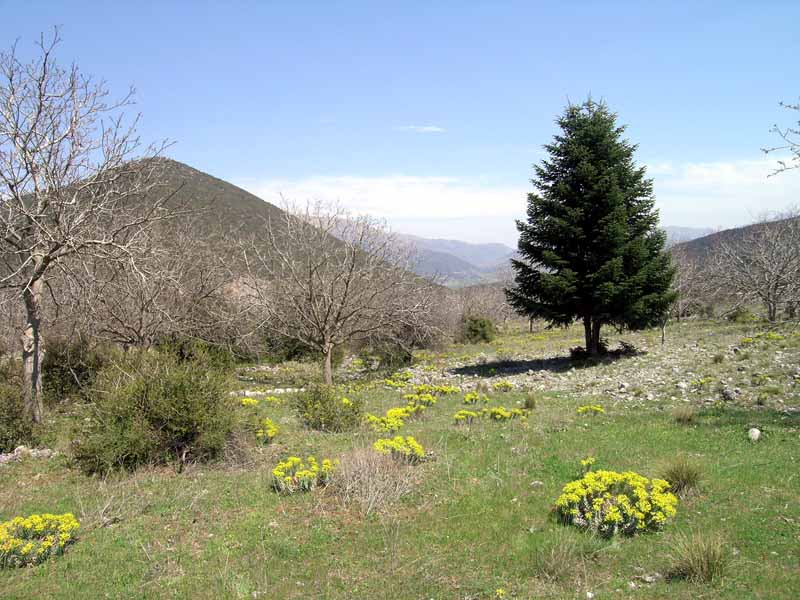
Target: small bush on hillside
(152,408)
(192,350)
(321,407)
(478,329)
(69,368)
(15,428)
(698,558)
(741,315)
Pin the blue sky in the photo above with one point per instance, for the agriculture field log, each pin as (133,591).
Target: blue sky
(430,114)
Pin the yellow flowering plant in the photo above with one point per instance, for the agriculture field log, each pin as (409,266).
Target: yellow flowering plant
(465,417)
(406,449)
(591,409)
(266,431)
(503,386)
(609,502)
(31,540)
(475,397)
(248,401)
(501,413)
(294,475)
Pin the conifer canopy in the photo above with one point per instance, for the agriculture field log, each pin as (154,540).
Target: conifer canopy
(591,248)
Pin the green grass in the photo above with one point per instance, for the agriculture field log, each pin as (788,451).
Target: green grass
(473,523)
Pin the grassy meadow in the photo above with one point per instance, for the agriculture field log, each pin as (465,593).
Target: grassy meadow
(474,520)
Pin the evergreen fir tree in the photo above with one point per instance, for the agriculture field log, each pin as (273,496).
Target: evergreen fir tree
(591,248)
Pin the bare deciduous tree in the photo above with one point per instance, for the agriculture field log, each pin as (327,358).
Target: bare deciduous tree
(325,278)
(173,285)
(790,137)
(691,283)
(69,188)
(763,263)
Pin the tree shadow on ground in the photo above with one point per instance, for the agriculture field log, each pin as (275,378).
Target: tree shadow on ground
(756,416)
(555,364)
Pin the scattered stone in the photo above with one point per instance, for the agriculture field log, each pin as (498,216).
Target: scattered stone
(21,452)
(682,385)
(754,434)
(536,483)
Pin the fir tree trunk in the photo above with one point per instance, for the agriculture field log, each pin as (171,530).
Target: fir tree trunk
(33,352)
(596,325)
(587,331)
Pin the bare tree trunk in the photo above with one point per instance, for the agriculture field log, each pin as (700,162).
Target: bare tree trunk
(33,351)
(772,311)
(328,370)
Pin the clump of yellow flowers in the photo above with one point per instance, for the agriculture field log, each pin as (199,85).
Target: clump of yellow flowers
(266,431)
(592,409)
(503,386)
(465,417)
(423,399)
(501,413)
(248,401)
(475,397)
(406,449)
(427,388)
(294,475)
(609,503)
(32,540)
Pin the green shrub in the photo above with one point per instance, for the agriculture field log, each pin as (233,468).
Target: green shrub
(741,315)
(70,367)
(15,428)
(323,408)
(478,329)
(189,349)
(151,408)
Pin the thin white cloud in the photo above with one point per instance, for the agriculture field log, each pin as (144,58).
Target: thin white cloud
(721,193)
(421,128)
(713,194)
(400,196)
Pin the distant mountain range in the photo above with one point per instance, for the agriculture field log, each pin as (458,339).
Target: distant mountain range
(461,263)
(456,262)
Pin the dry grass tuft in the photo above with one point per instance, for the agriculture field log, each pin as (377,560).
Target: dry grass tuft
(684,415)
(698,558)
(370,480)
(683,475)
(563,557)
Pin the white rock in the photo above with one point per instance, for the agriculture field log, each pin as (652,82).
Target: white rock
(754,434)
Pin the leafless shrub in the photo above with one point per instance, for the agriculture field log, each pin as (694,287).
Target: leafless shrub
(371,481)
